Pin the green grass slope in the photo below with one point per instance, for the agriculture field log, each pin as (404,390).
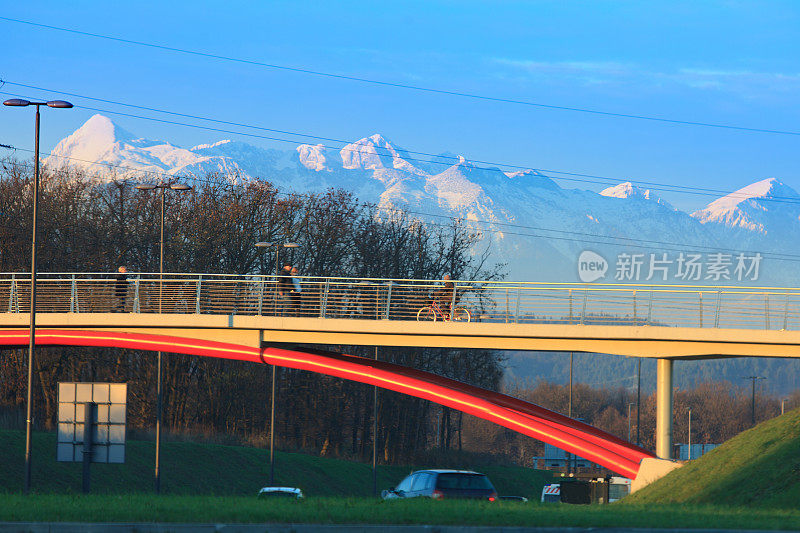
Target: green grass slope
(207,469)
(757,468)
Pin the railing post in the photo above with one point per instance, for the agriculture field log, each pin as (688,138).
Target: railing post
(323,308)
(12,295)
(508,311)
(72,295)
(634,307)
(516,312)
(570,306)
(650,308)
(389,297)
(701,308)
(716,312)
(786,312)
(137,304)
(453,300)
(583,312)
(766,310)
(198,292)
(261,295)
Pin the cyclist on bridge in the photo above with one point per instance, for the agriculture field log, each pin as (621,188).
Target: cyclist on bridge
(443,296)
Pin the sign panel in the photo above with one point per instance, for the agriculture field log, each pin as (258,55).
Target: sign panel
(108,402)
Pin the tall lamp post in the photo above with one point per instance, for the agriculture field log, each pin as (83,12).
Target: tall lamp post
(173,186)
(569,410)
(753,402)
(689,434)
(278,246)
(56,104)
(638,399)
(630,404)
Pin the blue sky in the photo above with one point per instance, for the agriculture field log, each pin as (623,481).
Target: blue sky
(728,62)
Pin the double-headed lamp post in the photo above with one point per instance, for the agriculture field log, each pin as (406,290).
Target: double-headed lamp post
(57,104)
(278,246)
(173,186)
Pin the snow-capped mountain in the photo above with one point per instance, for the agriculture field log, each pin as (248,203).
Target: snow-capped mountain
(753,207)
(535,226)
(629,190)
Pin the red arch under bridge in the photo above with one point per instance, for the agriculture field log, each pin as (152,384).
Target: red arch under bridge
(575,437)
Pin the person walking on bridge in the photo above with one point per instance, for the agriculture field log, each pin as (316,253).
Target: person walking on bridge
(120,289)
(285,285)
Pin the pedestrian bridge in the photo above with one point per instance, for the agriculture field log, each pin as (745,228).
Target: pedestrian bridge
(658,321)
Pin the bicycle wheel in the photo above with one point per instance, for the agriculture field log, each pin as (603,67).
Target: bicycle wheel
(461,315)
(426,313)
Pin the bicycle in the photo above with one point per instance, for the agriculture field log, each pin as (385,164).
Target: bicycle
(434,312)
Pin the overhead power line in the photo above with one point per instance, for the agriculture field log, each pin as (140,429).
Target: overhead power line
(436,159)
(590,238)
(398,85)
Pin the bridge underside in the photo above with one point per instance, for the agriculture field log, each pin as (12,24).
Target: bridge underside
(575,437)
(255,331)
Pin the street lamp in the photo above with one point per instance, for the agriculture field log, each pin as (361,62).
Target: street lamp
(57,104)
(173,186)
(265,244)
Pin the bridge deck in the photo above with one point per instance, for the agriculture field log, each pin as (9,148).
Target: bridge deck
(255,331)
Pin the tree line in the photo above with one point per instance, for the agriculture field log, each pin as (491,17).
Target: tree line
(91,223)
(720,410)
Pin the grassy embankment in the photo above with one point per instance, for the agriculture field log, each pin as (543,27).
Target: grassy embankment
(759,468)
(208,469)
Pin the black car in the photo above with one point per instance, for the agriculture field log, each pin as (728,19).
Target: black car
(439,484)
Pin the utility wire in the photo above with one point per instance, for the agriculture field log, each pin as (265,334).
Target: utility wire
(607,240)
(576,177)
(419,88)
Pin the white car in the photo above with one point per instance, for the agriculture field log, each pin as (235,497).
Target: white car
(280,492)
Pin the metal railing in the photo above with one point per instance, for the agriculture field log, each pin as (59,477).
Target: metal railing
(394,299)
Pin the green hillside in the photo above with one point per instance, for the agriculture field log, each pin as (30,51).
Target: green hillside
(758,468)
(208,469)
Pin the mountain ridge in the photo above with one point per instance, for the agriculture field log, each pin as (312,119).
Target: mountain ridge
(531,223)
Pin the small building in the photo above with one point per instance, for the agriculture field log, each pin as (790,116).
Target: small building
(697,451)
(557,458)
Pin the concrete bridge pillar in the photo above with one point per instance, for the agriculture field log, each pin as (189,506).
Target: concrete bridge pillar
(664,409)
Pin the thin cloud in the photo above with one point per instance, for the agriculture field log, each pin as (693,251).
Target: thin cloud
(743,81)
(739,80)
(566,67)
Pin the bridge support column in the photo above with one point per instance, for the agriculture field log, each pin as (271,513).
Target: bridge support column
(664,409)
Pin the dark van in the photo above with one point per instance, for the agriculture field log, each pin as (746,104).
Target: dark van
(440,484)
